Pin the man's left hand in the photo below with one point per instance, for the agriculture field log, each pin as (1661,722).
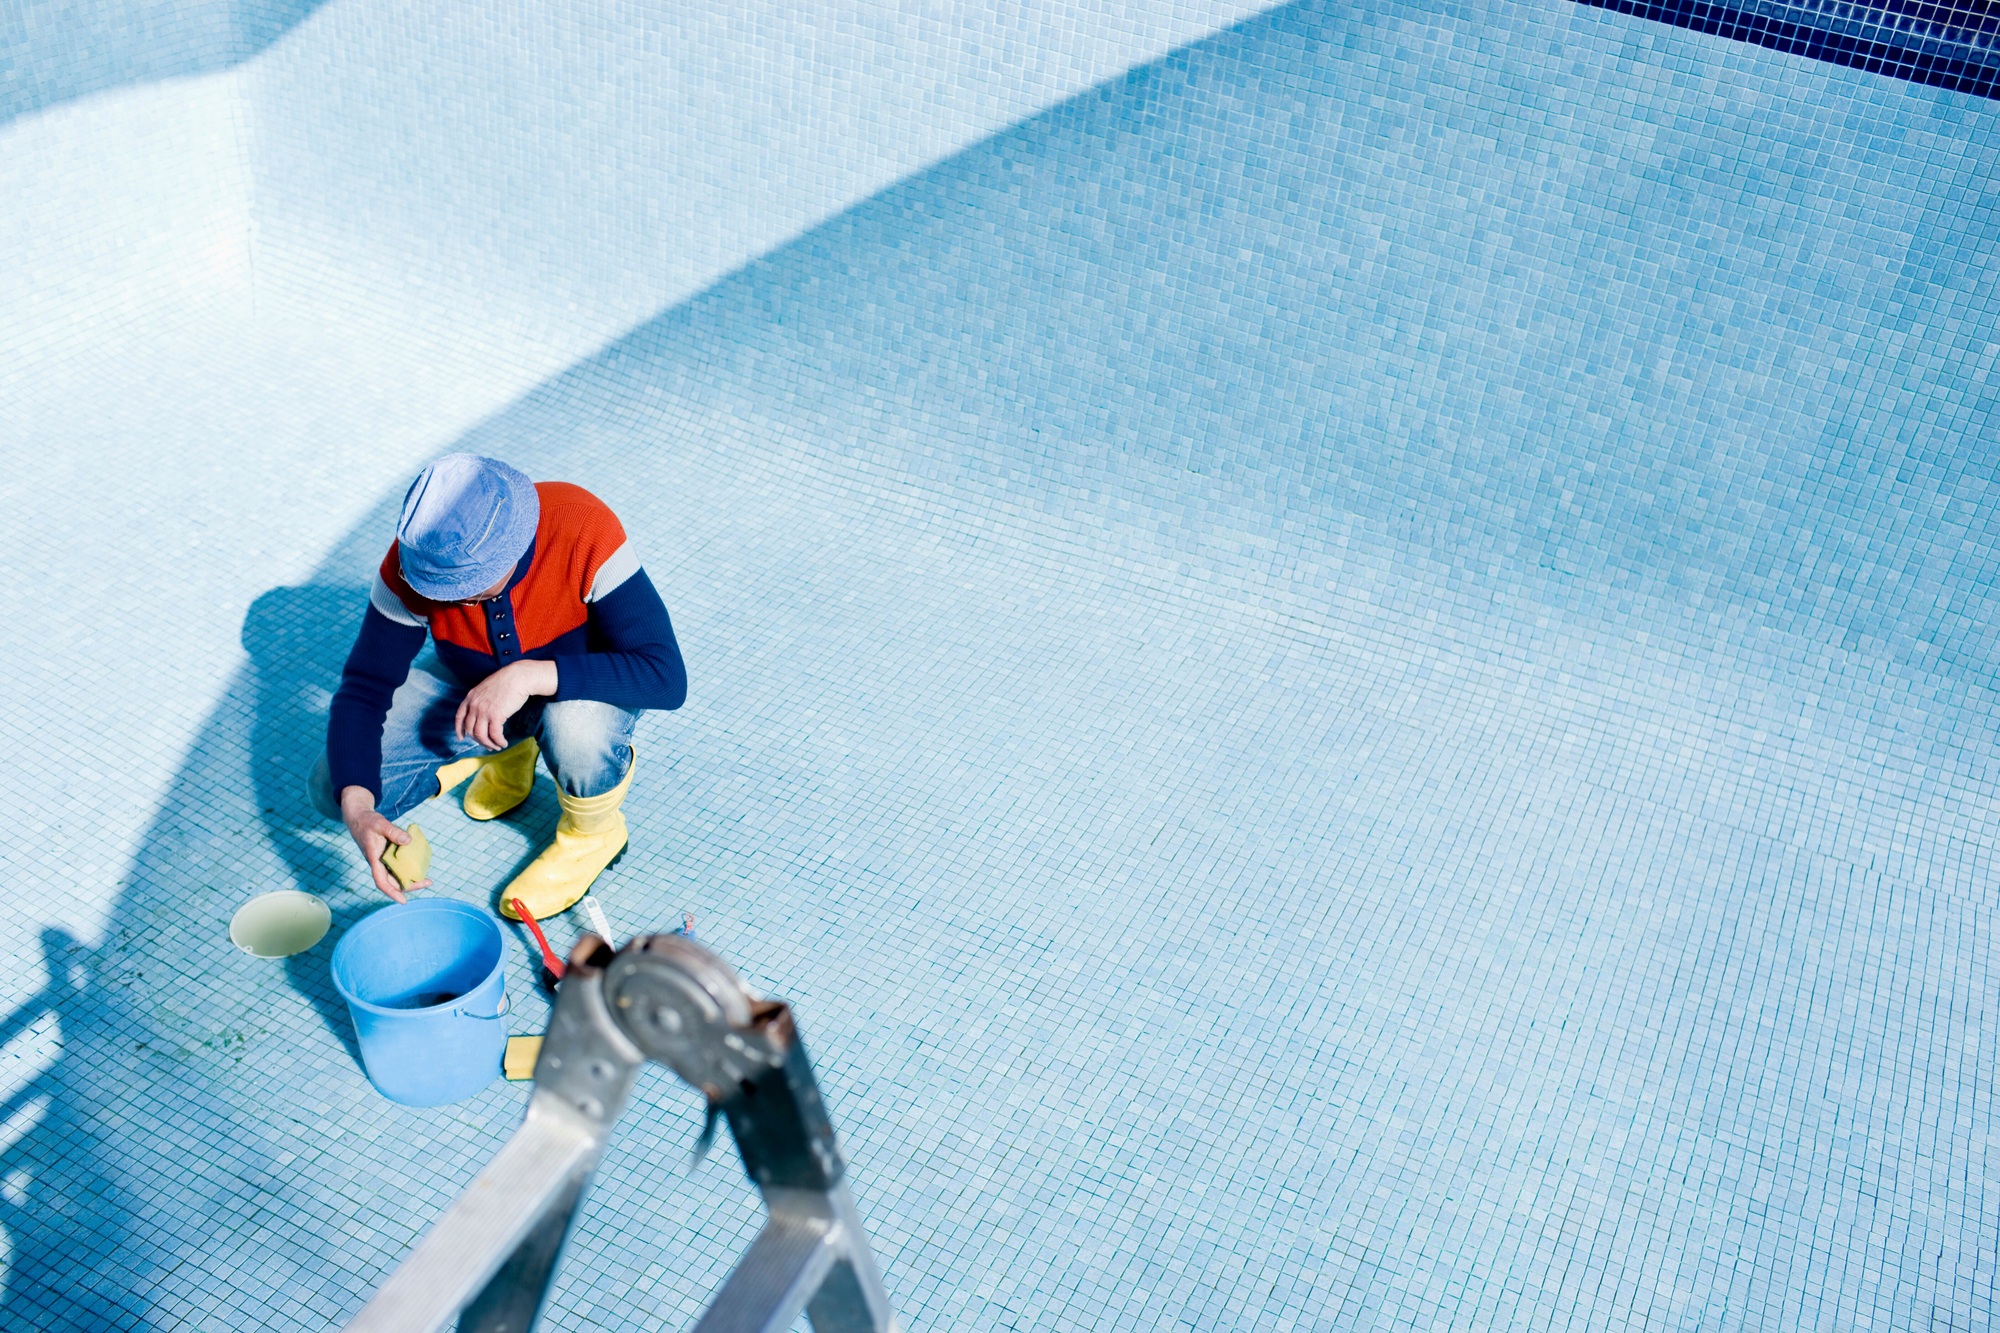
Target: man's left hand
(483,714)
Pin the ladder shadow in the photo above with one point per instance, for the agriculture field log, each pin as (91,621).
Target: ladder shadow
(61,1202)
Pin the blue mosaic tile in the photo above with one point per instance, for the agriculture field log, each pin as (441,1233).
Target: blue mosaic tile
(1951,45)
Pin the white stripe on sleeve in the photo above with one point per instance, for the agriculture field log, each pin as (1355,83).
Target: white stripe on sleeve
(622,565)
(383,598)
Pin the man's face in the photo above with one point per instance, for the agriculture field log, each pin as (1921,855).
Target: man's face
(486,596)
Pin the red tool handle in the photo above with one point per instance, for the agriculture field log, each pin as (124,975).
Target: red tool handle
(549,959)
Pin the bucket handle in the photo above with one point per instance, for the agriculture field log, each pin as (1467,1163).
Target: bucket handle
(493,1017)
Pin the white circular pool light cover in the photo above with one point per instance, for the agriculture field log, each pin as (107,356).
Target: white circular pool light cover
(280,924)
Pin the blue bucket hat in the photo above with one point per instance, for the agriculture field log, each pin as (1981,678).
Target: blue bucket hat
(466,523)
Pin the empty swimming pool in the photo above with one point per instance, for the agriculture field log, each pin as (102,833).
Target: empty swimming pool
(1342,655)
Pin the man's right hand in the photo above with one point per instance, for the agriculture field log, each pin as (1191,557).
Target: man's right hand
(372,833)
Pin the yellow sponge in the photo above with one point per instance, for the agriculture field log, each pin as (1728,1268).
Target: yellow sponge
(522,1052)
(411,863)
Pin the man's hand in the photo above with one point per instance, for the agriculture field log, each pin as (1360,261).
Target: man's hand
(371,833)
(483,714)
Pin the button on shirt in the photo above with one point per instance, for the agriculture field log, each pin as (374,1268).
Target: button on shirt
(500,633)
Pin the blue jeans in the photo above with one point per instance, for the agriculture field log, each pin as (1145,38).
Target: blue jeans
(586,744)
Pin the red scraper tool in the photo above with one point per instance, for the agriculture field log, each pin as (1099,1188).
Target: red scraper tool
(550,963)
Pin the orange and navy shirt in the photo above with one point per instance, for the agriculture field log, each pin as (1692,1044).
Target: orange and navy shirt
(578,598)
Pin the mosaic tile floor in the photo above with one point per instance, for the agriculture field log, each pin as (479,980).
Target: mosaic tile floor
(1347,681)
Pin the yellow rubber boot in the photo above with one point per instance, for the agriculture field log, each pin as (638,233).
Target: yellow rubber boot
(457,771)
(589,837)
(503,781)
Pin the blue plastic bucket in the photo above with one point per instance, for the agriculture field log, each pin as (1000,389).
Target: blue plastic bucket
(425,983)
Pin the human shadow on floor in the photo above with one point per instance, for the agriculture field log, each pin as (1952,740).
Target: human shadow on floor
(297,639)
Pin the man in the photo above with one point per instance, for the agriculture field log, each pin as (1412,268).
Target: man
(554,639)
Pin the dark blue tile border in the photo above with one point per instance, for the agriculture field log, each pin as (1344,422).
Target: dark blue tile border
(1954,46)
